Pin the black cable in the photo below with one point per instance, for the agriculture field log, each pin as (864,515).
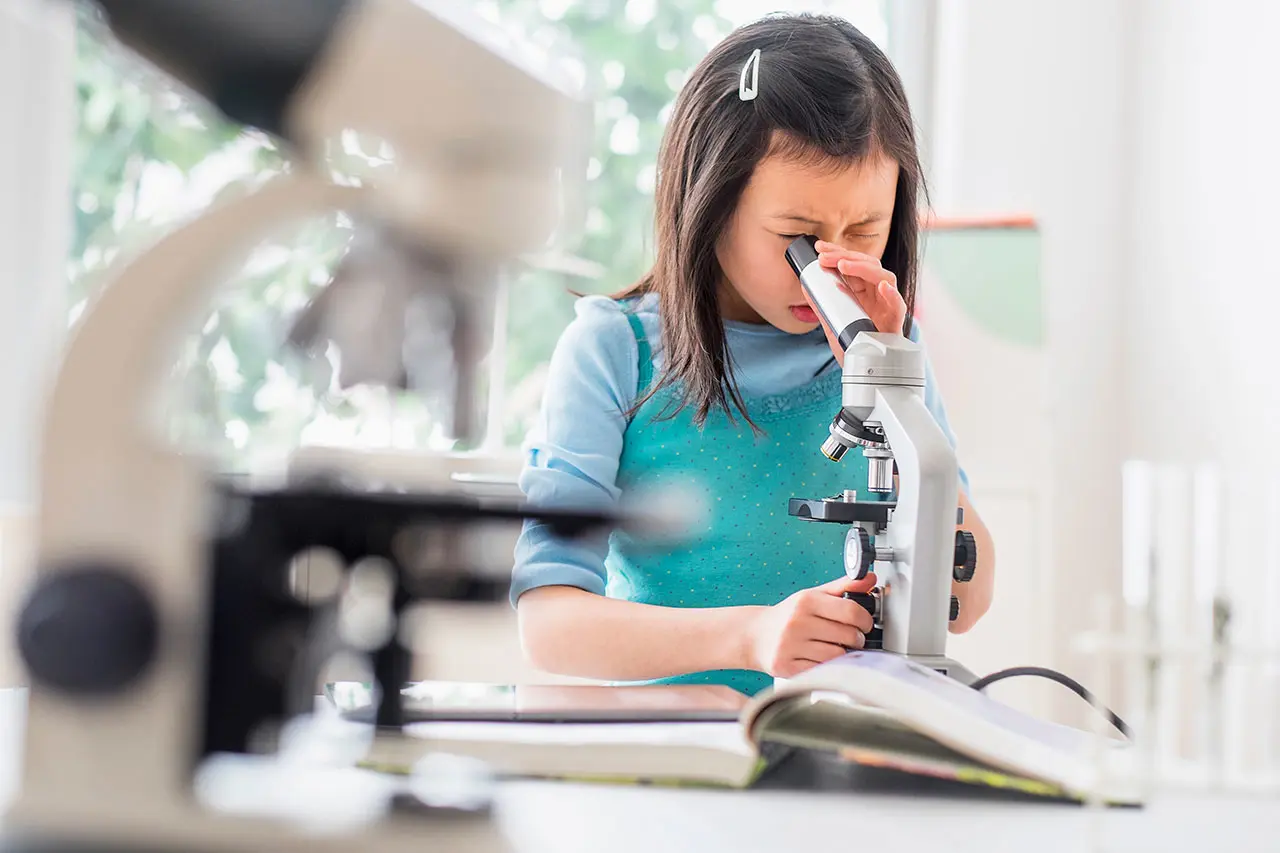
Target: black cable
(1064,680)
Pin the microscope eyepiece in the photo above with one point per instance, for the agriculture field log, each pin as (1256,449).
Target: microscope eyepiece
(839,310)
(801,252)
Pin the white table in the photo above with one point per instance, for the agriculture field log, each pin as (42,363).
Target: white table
(565,818)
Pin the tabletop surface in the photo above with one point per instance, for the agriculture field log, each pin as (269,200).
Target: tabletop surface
(564,817)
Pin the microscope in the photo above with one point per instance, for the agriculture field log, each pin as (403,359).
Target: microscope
(160,635)
(908,533)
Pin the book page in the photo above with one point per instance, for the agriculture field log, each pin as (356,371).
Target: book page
(872,738)
(965,698)
(432,701)
(716,753)
(957,717)
(726,737)
(827,723)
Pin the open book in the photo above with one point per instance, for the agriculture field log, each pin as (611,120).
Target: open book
(871,708)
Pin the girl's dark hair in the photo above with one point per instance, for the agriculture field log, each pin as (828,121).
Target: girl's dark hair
(826,92)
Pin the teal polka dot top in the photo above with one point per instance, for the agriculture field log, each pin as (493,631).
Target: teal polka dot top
(750,550)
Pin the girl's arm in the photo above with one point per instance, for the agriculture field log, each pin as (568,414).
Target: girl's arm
(567,625)
(573,632)
(975,596)
(574,446)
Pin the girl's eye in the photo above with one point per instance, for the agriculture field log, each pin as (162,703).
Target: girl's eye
(788,236)
(865,236)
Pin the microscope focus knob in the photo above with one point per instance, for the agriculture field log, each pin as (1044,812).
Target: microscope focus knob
(859,556)
(89,631)
(966,556)
(955,609)
(868,601)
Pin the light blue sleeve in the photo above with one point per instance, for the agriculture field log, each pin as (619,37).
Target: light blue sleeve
(572,451)
(933,401)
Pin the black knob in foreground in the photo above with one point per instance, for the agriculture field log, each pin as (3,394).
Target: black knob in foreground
(90,630)
(955,609)
(859,556)
(966,556)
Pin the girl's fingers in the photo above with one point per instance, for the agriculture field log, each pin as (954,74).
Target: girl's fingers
(839,586)
(818,652)
(841,611)
(833,261)
(838,633)
(869,270)
(865,297)
(825,248)
(889,295)
(872,286)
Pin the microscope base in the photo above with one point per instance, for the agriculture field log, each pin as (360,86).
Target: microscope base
(486,839)
(946,666)
(261,803)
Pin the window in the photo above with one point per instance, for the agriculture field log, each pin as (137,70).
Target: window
(146,157)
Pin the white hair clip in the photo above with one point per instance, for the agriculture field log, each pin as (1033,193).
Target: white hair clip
(745,92)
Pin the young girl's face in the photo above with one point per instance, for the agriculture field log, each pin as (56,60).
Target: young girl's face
(850,206)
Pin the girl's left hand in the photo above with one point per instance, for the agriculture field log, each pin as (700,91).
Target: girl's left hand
(874,287)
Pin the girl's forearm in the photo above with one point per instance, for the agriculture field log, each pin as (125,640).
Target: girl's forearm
(569,631)
(975,596)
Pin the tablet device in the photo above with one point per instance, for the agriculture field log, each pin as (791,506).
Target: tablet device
(435,701)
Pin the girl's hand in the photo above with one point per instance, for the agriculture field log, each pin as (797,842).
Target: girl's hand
(874,287)
(809,627)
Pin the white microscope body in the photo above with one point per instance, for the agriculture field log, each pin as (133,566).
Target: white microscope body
(116,631)
(912,542)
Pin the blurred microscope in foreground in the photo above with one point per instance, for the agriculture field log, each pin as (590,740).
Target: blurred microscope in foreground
(160,634)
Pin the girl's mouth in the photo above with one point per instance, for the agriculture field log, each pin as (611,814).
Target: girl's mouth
(804,313)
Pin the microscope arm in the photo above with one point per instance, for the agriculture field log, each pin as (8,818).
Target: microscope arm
(923,530)
(117,503)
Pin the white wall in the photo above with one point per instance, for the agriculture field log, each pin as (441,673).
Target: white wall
(36,102)
(1024,123)
(1205,269)
(1142,136)
(37,49)
(1203,358)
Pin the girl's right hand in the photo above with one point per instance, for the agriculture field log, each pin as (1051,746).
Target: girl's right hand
(809,627)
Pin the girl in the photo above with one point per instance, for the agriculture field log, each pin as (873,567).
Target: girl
(714,370)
